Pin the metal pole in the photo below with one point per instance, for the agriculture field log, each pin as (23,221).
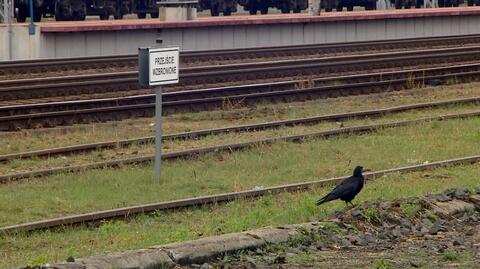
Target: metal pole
(10,18)
(31,26)
(158,131)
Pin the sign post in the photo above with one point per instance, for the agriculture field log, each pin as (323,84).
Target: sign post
(158,67)
(31,26)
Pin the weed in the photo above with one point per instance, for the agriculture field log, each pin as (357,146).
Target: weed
(332,226)
(410,82)
(111,227)
(451,256)
(382,264)
(39,260)
(410,210)
(232,104)
(371,215)
(430,215)
(185,117)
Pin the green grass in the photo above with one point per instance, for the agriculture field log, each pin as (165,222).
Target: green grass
(239,215)
(178,145)
(382,264)
(261,166)
(451,256)
(411,210)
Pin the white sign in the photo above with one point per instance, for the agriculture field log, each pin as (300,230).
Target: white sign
(158,66)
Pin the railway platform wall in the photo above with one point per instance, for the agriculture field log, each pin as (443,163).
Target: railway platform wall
(91,38)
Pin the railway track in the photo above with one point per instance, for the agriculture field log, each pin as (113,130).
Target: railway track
(195,57)
(128,212)
(85,111)
(68,150)
(15,90)
(231,147)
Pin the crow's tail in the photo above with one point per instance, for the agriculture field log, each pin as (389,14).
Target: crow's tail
(325,199)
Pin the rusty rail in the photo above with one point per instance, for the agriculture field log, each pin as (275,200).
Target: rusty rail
(240,128)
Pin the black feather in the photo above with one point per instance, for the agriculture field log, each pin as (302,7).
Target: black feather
(347,189)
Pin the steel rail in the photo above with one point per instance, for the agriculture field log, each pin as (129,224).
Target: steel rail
(127,212)
(240,128)
(79,111)
(231,147)
(17,66)
(128,81)
(419,73)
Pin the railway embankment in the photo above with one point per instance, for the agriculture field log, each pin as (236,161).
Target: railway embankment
(446,222)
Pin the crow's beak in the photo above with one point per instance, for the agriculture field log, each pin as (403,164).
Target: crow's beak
(367,170)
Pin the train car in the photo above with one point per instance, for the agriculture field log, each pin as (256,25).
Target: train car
(254,6)
(226,7)
(339,5)
(22,10)
(77,10)
(408,3)
(262,6)
(449,3)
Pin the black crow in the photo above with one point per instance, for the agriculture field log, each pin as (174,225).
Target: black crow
(347,189)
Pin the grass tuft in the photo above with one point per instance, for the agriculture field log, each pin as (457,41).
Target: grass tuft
(410,210)
(451,256)
(382,264)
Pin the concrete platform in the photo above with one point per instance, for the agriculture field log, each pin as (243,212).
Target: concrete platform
(88,38)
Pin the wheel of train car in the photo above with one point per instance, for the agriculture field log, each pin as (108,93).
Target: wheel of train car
(253,10)
(297,10)
(398,4)
(455,3)
(264,9)
(370,6)
(141,15)
(285,10)
(80,17)
(59,13)
(214,11)
(329,6)
(154,15)
(79,11)
(227,12)
(350,7)
(22,14)
(104,15)
(37,15)
(470,3)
